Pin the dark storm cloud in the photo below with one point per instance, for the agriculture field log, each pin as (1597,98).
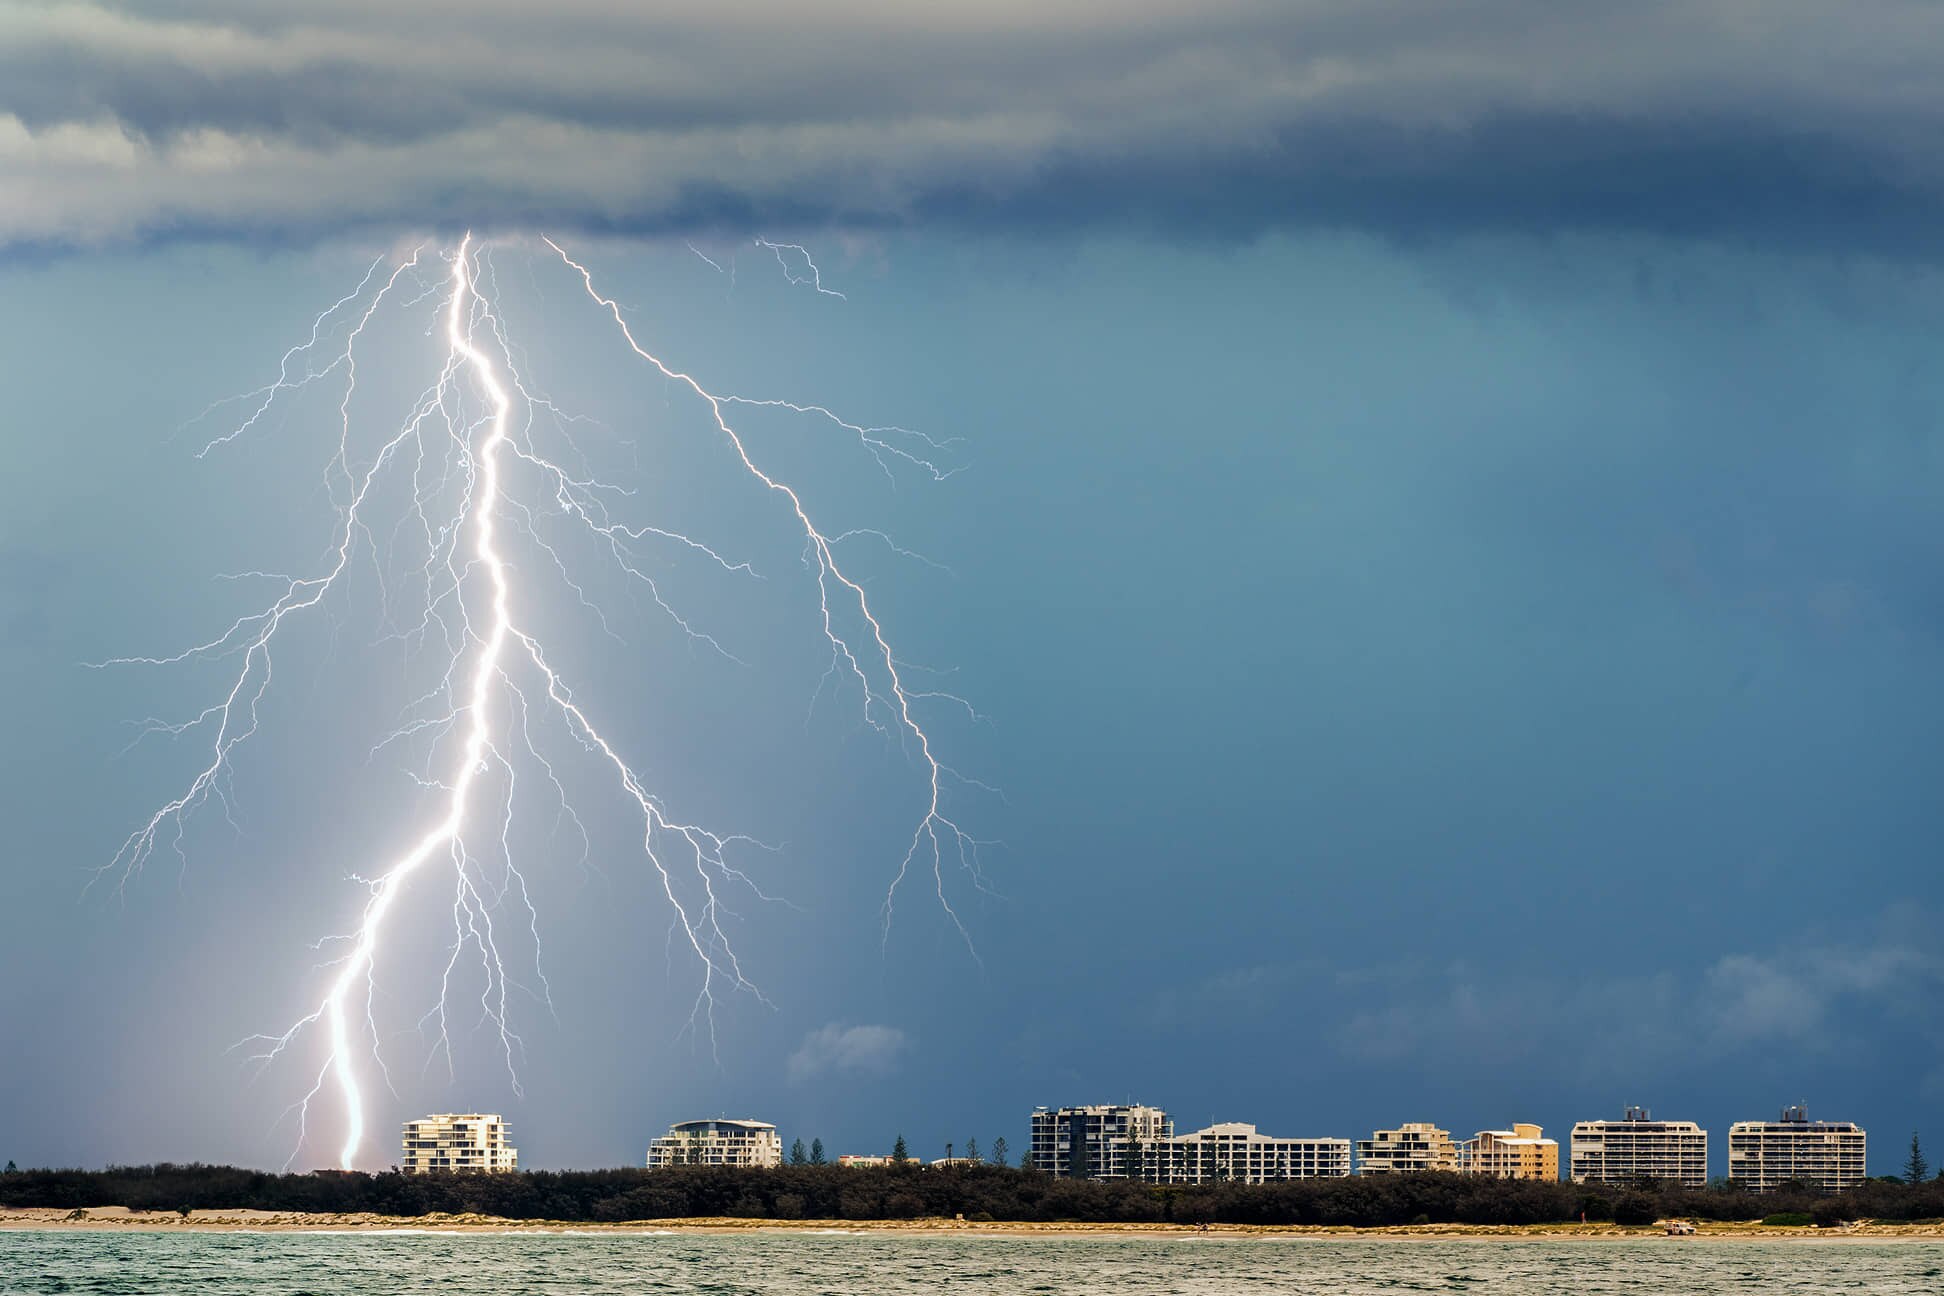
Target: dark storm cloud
(1771,122)
(1527,174)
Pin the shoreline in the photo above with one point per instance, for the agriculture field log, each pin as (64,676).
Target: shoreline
(120,1218)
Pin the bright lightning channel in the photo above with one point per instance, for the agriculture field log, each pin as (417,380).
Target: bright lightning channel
(488,648)
(815,277)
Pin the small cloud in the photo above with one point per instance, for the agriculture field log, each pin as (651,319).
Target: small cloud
(853,1050)
(1755,999)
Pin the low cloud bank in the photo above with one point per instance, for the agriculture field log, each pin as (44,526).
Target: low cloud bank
(1776,122)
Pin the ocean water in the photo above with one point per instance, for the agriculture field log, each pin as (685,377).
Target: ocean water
(448,1264)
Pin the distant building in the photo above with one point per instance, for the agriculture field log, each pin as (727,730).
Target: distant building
(453,1141)
(1091,1142)
(1235,1153)
(851,1159)
(1408,1149)
(718,1143)
(1518,1153)
(1764,1155)
(1640,1147)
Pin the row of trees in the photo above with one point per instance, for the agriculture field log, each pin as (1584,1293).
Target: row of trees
(976,1191)
(901,1152)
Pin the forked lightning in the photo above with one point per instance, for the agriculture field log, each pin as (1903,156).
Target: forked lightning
(466,444)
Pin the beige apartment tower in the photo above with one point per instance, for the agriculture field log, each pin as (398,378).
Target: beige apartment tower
(1408,1149)
(1521,1152)
(718,1143)
(1639,1147)
(473,1141)
(1764,1155)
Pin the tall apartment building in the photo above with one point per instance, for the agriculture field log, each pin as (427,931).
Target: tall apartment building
(454,1141)
(1408,1149)
(1518,1153)
(1236,1153)
(1764,1155)
(1639,1147)
(1091,1142)
(717,1143)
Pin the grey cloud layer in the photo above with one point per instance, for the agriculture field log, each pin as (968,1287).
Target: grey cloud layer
(1769,119)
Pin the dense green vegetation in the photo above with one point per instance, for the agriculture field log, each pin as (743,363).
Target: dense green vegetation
(910,1191)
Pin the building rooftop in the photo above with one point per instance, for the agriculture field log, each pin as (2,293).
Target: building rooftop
(1797,1117)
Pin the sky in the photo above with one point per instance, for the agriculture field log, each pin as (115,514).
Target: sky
(1440,547)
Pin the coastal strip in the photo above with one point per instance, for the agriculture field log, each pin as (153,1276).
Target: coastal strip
(121,1218)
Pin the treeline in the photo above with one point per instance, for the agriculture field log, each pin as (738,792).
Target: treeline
(978,1192)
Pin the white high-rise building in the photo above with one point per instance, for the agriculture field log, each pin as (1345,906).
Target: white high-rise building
(717,1142)
(1640,1147)
(454,1141)
(1764,1155)
(1235,1153)
(1091,1142)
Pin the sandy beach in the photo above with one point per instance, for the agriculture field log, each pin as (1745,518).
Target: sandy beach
(120,1217)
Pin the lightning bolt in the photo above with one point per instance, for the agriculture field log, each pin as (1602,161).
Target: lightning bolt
(815,277)
(466,437)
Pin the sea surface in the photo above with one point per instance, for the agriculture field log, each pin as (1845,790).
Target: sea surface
(810,1264)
